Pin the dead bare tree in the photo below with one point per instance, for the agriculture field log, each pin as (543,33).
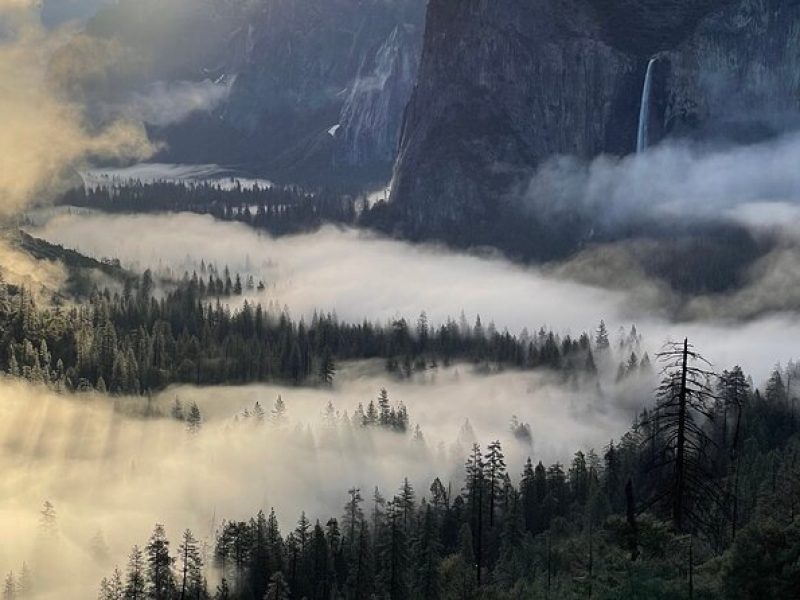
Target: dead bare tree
(676,427)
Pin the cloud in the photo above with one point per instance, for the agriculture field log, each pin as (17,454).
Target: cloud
(676,178)
(164,103)
(21,269)
(649,204)
(118,475)
(359,276)
(354,273)
(43,131)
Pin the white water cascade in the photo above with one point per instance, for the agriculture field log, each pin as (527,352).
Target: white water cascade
(644,111)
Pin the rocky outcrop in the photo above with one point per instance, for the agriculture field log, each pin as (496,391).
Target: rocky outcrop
(737,76)
(326,84)
(369,126)
(299,72)
(504,85)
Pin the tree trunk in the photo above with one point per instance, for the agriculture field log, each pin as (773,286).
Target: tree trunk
(479,539)
(185,571)
(680,454)
(633,539)
(735,515)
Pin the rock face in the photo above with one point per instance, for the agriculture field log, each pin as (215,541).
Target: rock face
(317,87)
(324,84)
(506,84)
(738,75)
(369,125)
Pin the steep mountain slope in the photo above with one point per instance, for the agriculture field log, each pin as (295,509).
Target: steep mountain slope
(501,86)
(505,85)
(325,84)
(317,88)
(738,75)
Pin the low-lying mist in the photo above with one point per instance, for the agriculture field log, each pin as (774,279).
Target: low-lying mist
(713,227)
(43,125)
(111,473)
(674,179)
(358,276)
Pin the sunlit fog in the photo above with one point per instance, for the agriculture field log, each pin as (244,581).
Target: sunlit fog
(399,300)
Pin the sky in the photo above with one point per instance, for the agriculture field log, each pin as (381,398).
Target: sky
(58,12)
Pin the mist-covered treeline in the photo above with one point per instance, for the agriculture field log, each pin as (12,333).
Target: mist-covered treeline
(279,210)
(286,210)
(698,500)
(711,255)
(130,342)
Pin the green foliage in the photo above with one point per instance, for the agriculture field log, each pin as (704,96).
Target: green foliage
(132,343)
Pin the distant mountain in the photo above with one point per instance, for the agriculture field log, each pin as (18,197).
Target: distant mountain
(315,89)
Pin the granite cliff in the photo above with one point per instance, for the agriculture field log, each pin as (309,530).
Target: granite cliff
(505,85)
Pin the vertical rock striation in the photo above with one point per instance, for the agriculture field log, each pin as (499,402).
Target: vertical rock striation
(505,84)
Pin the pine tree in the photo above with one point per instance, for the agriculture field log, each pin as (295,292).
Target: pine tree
(279,412)
(426,552)
(378,511)
(47,519)
(405,503)
(393,552)
(194,420)
(475,495)
(135,583)
(601,341)
(319,563)
(528,492)
(371,417)
(112,588)
(579,478)
(274,543)
(258,569)
(327,369)
(384,409)
(734,390)
(458,570)
(439,496)
(278,588)
(776,390)
(353,515)
(160,580)
(359,577)
(223,591)
(191,567)
(494,469)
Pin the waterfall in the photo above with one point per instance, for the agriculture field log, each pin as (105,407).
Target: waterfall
(644,111)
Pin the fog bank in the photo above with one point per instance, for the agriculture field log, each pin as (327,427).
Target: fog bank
(112,477)
(358,275)
(43,128)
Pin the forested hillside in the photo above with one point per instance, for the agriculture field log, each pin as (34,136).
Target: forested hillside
(204,330)
(698,500)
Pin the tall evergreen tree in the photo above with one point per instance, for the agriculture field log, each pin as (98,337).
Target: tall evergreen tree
(191,567)
(475,495)
(426,555)
(160,579)
(495,470)
(135,581)
(278,588)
